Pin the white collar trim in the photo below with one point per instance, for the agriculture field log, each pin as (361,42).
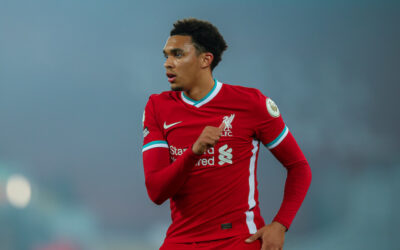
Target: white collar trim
(217,87)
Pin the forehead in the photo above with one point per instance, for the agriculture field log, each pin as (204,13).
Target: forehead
(178,41)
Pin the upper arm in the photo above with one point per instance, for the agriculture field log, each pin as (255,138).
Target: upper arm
(153,136)
(272,131)
(270,128)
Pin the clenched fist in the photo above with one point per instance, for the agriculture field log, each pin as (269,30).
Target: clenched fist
(208,138)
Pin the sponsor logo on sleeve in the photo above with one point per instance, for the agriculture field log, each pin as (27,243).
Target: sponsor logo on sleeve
(272,108)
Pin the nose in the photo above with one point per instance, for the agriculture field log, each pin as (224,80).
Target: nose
(168,64)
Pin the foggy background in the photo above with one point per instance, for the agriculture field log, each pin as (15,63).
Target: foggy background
(75,77)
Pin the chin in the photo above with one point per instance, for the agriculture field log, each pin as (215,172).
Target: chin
(176,88)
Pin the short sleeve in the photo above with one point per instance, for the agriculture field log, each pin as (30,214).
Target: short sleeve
(270,128)
(152,133)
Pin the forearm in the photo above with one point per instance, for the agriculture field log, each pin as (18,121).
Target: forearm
(296,186)
(163,179)
(297,181)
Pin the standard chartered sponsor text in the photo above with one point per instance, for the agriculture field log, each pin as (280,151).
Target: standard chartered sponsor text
(207,159)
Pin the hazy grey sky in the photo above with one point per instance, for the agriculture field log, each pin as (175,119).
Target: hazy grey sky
(75,77)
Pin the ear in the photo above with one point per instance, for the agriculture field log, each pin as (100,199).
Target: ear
(206,59)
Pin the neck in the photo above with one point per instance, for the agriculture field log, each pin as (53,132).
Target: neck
(201,87)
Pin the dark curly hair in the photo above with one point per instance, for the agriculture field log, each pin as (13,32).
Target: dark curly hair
(205,37)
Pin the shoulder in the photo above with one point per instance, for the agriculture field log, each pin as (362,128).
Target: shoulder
(254,98)
(162,97)
(243,90)
(248,94)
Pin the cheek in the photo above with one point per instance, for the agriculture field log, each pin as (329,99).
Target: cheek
(187,66)
(192,64)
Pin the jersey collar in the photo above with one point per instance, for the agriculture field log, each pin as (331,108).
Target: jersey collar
(210,95)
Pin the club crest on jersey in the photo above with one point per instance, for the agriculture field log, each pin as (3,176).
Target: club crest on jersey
(272,108)
(227,120)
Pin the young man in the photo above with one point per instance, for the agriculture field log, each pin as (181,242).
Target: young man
(200,150)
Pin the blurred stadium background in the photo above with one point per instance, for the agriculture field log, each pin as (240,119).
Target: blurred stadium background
(75,77)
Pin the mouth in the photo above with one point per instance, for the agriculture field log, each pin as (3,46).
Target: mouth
(171,77)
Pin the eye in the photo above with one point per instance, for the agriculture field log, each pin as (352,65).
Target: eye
(178,54)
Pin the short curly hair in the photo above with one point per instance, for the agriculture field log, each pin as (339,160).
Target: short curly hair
(205,37)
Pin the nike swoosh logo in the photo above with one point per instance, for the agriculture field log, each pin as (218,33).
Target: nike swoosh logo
(170,125)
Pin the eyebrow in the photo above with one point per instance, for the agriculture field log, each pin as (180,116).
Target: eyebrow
(174,50)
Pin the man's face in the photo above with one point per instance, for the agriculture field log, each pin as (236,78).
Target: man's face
(182,63)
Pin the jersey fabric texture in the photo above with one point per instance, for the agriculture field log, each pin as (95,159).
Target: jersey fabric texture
(214,195)
(232,243)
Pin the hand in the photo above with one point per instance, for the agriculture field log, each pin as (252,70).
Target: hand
(272,236)
(208,138)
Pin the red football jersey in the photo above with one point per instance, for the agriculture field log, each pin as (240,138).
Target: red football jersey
(219,197)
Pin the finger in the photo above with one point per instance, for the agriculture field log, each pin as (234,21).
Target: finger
(264,246)
(269,246)
(213,139)
(209,142)
(222,126)
(252,238)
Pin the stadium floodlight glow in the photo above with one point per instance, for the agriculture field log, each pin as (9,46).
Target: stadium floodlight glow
(18,191)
